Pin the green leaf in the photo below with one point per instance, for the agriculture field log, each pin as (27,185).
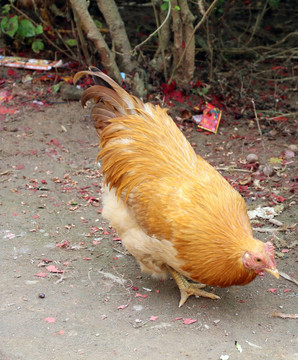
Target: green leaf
(37,46)
(98,23)
(71,42)
(164,6)
(38,30)
(9,26)
(273,3)
(177,8)
(5,9)
(56,88)
(274,160)
(26,28)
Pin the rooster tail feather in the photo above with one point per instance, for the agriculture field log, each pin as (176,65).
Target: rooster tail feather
(110,99)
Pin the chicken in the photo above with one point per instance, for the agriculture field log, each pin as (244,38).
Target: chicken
(173,211)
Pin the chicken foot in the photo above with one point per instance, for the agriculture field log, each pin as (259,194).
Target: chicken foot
(187,289)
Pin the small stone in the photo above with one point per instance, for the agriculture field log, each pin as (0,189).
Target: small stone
(289,154)
(292,147)
(268,170)
(272,133)
(252,158)
(42,295)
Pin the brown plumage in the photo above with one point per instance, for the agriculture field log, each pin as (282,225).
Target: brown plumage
(174,212)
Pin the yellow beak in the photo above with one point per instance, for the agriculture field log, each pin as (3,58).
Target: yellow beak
(273,272)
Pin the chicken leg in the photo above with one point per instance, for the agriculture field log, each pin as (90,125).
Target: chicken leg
(187,289)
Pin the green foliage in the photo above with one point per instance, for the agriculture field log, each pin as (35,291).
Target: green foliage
(98,24)
(202,91)
(26,28)
(273,3)
(218,10)
(5,9)
(21,30)
(165,5)
(9,26)
(55,89)
(37,46)
(38,30)
(71,42)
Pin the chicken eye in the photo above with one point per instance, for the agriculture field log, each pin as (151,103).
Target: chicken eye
(258,260)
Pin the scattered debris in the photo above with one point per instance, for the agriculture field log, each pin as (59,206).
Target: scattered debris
(115,278)
(238,346)
(50,320)
(275,222)
(273,291)
(265,212)
(210,118)
(189,321)
(284,316)
(33,64)
(288,277)
(224,357)
(253,345)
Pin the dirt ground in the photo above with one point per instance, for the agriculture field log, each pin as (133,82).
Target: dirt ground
(70,291)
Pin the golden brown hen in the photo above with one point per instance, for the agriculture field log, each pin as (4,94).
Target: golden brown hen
(173,211)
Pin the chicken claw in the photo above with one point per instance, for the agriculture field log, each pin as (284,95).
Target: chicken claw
(187,289)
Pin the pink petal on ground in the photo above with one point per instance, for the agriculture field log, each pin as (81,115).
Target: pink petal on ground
(189,321)
(41,274)
(177,318)
(140,295)
(121,307)
(54,269)
(273,291)
(153,318)
(50,319)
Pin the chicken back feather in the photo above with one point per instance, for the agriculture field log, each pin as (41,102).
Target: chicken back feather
(170,207)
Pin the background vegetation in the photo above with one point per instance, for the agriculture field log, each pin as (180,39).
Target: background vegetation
(159,41)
